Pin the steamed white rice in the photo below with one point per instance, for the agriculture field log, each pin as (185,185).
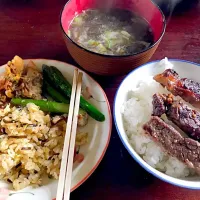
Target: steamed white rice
(137,111)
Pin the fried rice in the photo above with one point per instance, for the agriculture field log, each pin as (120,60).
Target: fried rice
(31,141)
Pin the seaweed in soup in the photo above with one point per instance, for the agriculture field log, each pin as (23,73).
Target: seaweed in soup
(113,32)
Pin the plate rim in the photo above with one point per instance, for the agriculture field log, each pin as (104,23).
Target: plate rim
(109,112)
(182,183)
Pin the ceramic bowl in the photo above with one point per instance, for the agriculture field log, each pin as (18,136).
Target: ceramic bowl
(108,64)
(98,132)
(184,69)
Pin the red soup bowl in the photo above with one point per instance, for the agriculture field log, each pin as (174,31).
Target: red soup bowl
(109,64)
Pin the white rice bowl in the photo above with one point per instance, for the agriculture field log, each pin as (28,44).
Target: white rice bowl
(134,98)
(141,102)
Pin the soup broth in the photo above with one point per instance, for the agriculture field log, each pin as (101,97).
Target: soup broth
(113,32)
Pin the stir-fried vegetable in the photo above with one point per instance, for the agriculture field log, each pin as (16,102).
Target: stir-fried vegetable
(55,77)
(82,117)
(54,93)
(47,106)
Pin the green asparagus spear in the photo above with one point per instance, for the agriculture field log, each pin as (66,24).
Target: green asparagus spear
(48,106)
(82,117)
(55,77)
(54,93)
(53,107)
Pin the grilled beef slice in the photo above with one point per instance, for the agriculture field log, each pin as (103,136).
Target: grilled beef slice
(186,88)
(158,105)
(186,150)
(179,113)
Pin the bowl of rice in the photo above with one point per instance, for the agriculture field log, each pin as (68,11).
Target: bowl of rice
(133,108)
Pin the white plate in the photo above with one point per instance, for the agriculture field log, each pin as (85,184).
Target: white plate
(99,137)
(184,69)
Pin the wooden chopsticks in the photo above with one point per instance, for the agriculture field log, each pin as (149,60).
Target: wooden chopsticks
(64,183)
